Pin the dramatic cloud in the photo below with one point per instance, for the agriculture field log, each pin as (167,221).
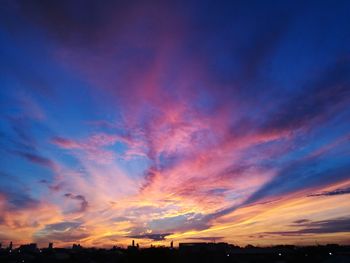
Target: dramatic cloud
(183,120)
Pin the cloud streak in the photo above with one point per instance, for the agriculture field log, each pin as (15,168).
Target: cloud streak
(318,227)
(340,191)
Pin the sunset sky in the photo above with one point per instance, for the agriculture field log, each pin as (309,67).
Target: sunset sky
(184,121)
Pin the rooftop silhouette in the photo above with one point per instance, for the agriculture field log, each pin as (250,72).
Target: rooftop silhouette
(185,252)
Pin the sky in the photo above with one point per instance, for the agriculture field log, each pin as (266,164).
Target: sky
(184,121)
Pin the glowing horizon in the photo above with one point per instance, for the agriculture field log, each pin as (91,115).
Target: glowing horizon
(182,122)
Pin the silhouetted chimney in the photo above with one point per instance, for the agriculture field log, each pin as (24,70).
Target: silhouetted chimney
(10,246)
(50,245)
(133,243)
(171,244)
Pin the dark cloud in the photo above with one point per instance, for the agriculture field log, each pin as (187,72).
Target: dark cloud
(155,237)
(36,159)
(212,239)
(18,199)
(67,231)
(65,237)
(57,187)
(21,201)
(340,191)
(301,221)
(53,187)
(317,227)
(62,226)
(181,223)
(15,193)
(186,222)
(83,203)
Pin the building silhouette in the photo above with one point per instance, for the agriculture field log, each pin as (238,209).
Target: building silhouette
(133,247)
(76,247)
(187,252)
(203,246)
(32,247)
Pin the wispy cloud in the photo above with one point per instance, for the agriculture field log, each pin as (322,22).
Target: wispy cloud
(340,191)
(37,159)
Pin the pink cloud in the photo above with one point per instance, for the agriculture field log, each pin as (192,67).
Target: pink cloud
(95,146)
